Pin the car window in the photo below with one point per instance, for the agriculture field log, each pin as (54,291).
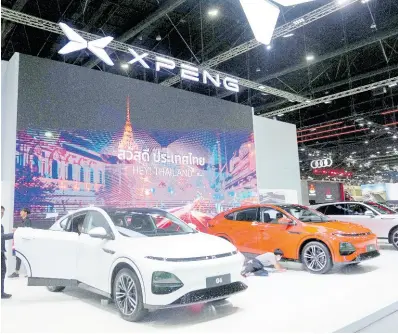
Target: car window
(335,210)
(248,215)
(74,221)
(356,209)
(322,209)
(96,219)
(270,215)
(229,216)
(150,223)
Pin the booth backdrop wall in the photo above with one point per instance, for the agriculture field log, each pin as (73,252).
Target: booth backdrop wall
(277,156)
(88,137)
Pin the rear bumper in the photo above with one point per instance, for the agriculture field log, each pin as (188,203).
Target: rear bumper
(203,296)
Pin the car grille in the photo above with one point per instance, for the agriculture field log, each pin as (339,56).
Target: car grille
(355,234)
(191,259)
(204,295)
(368,255)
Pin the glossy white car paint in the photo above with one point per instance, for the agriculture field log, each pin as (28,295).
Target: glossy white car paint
(379,224)
(58,254)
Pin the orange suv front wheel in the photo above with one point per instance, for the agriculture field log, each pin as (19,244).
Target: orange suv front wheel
(316,258)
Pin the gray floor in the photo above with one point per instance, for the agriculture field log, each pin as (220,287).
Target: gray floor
(383,321)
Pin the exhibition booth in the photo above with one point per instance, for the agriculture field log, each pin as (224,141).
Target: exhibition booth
(77,137)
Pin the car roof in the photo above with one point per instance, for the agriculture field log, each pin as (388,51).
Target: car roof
(342,202)
(115,210)
(273,205)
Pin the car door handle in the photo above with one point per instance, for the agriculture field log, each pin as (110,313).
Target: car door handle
(109,251)
(27,238)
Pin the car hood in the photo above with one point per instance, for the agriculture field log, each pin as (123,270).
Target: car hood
(343,227)
(184,246)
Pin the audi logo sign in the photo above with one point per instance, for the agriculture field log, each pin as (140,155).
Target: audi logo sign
(327,162)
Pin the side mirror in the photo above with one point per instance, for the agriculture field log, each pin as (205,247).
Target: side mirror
(286,221)
(369,213)
(99,233)
(63,224)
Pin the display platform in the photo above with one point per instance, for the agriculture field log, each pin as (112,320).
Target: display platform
(294,301)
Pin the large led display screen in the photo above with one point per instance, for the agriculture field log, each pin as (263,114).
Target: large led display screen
(87,137)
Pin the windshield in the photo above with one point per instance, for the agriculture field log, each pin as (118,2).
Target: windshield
(150,224)
(306,215)
(381,208)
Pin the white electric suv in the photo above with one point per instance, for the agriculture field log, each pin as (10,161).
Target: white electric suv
(381,220)
(141,258)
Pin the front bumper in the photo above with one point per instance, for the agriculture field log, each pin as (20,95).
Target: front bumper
(194,277)
(203,296)
(365,256)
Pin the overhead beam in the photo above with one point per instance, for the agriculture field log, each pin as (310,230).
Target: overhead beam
(6,27)
(279,32)
(38,23)
(379,36)
(333,97)
(166,8)
(333,85)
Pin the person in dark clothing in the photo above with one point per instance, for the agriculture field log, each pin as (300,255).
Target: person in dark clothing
(4,237)
(25,223)
(257,265)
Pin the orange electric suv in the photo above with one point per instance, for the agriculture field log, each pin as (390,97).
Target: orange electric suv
(303,234)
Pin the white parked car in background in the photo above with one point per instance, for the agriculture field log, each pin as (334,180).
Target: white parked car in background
(141,258)
(378,218)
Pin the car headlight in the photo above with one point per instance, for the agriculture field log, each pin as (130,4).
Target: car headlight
(347,248)
(164,283)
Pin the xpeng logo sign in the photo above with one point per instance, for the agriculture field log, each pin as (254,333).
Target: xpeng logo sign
(187,71)
(77,42)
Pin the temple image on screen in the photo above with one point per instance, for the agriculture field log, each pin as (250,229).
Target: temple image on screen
(194,176)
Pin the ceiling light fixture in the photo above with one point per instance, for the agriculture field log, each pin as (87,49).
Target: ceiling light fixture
(310,57)
(262,16)
(158,38)
(125,66)
(213,12)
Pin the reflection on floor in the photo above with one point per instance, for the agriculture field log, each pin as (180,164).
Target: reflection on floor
(383,321)
(294,301)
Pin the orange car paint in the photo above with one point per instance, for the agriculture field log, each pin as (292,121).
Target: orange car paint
(258,238)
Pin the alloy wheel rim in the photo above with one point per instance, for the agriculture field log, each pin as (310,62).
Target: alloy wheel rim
(315,258)
(126,294)
(395,239)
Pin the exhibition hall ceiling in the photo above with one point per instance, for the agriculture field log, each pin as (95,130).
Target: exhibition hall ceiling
(350,45)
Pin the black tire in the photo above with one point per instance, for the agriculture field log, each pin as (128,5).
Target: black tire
(56,288)
(394,237)
(124,305)
(316,258)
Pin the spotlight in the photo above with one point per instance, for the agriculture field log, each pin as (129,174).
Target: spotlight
(125,66)
(261,87)
(213,12)
(158,38)
(366,142)
(310,57)
(48,134)
(269,47)
(258,69)
(288,35)
(281,115)
(395,136)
